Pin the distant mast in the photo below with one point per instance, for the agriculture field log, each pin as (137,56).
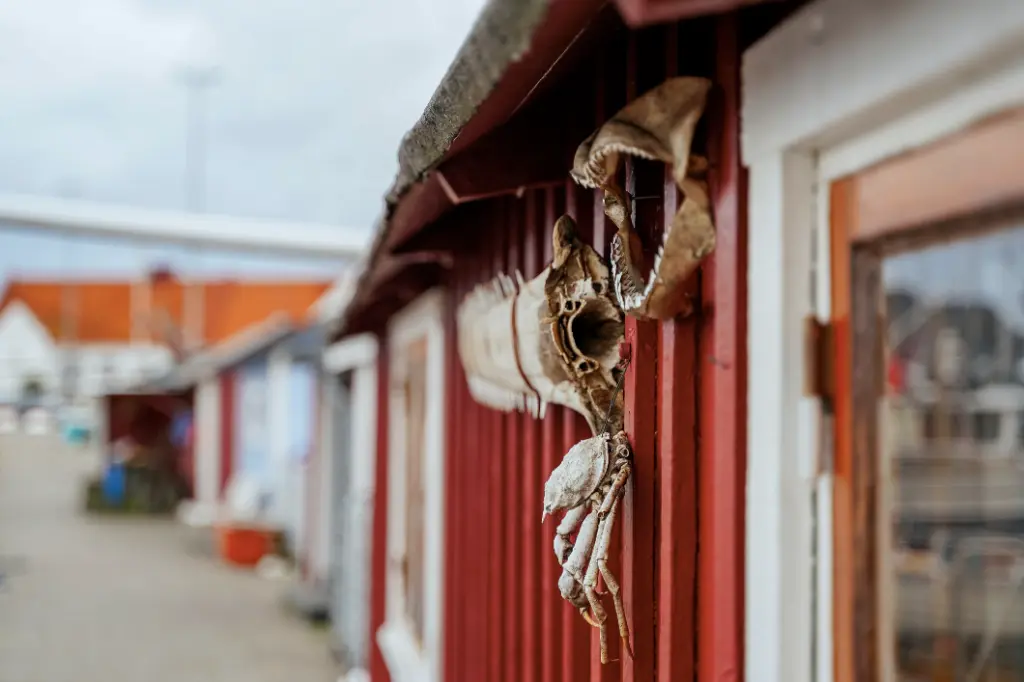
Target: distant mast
(198,80)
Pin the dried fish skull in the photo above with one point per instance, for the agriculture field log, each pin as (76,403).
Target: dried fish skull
(552,339)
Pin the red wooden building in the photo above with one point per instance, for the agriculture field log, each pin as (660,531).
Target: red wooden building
(737,540)
(483,179)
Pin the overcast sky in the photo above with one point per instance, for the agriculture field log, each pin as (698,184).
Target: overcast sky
(304,124)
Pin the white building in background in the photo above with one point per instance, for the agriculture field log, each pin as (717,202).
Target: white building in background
(71,341)
(78,339)
(27,351)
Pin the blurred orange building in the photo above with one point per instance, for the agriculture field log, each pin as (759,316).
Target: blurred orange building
(92,335)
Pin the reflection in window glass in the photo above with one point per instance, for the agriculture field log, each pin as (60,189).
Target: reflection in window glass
(953,461)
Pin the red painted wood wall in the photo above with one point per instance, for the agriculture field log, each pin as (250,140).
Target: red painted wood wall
(379,524)
(678,550)
(227,427)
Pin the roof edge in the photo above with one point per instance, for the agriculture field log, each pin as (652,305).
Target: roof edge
(502,35)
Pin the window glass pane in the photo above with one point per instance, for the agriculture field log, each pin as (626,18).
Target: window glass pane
(952,471)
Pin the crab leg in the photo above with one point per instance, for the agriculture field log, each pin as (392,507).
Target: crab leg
(572,592)
(590,590)
(598,562)
(577,561)
(615,490)
(571,580)
(566,526)
(568,587)
(601,555)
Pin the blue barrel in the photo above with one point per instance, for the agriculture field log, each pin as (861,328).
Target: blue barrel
(114,483)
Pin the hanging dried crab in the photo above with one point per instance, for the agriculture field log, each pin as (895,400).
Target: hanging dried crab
(553,339)
(659,125)
(588,483)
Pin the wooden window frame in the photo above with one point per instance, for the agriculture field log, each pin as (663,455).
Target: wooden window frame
(894,206)
(407,656)
(839,86)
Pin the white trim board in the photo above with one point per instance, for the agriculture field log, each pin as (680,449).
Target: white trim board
(839,68)
(350,353)
(320,483)
(840,85)
(407,659)
(209,421)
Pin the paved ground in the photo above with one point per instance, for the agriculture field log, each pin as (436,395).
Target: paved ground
(124,600)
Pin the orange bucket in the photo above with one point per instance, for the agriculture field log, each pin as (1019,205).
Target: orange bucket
(244,545)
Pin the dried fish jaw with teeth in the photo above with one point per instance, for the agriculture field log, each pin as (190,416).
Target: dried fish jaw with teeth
(659,126)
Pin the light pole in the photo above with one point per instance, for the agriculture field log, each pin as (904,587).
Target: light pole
(198,80)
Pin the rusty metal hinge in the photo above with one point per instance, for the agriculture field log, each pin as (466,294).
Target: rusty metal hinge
(819,360)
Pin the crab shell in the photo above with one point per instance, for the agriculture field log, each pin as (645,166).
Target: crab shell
(578,475)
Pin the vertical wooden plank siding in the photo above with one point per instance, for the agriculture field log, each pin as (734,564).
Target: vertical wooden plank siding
(639,522)
(493,445)
(576,633)
(684,393)
(532,481)
(551,442)
(454,479)
(677,434)
(478,494)
(723,380)
(551,601)
(379,533)
(609,95)
(512,479)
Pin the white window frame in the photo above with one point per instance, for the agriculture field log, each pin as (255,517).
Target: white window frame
(409,660)
(837,87)
(356,354)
